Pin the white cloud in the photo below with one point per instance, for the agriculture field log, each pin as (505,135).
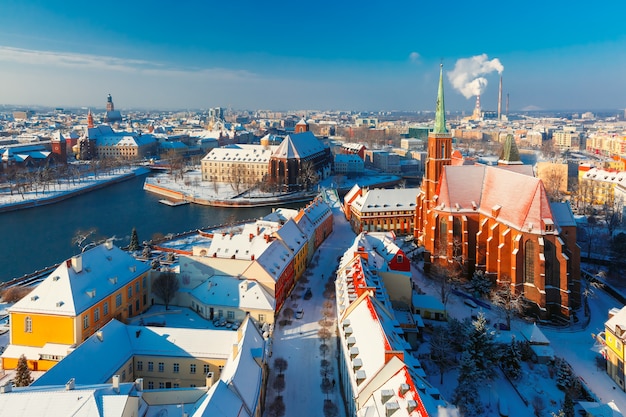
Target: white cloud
(68,60)
(467,77)
(414,57)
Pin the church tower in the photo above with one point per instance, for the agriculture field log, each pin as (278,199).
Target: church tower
(110,106)
(439,147)
(89,120)
(439,154)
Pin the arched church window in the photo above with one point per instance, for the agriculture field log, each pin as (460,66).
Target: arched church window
(529,262)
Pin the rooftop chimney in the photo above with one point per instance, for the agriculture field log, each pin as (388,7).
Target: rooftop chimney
(70,385)
(77,263)
(210,380)
(115,380)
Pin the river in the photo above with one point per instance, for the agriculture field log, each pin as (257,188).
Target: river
(35,238)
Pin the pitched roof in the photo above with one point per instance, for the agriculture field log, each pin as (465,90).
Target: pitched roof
(299,145)
(521,198)
(69,290)
(379,200)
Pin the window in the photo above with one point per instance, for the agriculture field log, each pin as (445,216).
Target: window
(123,375)
(143,282)
(118,300)
(221,367)
(443,235)
(137,287)
(130,368)
(220,313)
(206,369)
(400,259)
(529,262)
(176,368)
(130,292)
(150,366)
(192,368)
(161,367)
(96,314)
(150,385)
(86,321)
(262,318)
(140,365)
(230,315)
(28,324)
(105,308)
(176,385)
(161,385)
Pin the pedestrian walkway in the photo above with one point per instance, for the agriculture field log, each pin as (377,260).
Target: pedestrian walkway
(308,345)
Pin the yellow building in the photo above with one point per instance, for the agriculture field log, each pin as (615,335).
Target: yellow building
(247,164)
(597,186)
(73,302)
(230,365)
(615,337)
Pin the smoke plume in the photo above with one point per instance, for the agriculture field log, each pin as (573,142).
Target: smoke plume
(468,75)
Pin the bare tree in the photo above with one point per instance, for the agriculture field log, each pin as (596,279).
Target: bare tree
(281,364)
(165,287)
(445,275)
(507,300)
(553,182)
(441,352)
(15,293)
(307,176)
(612,213)
(80,237)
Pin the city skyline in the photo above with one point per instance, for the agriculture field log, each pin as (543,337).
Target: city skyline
(335,56)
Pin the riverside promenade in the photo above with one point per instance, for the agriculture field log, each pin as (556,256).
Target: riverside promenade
(64,189)
(191,189)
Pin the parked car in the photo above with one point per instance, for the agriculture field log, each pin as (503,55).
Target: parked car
(470,303)
(308,294)
(299,313)
(501,326)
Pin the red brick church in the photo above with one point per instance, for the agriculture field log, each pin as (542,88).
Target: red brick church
(498,219)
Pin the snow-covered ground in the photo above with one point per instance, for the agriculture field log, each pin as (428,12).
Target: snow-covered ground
(63,187)
(298,343)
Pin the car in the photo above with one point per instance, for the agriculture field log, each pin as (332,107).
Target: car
(299,313)
(308,294)
(470,303)
(501,326)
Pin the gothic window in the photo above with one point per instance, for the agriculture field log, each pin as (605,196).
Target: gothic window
(552,265)
(529,262)
(443,234)
(457,233)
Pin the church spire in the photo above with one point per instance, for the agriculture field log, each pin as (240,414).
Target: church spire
(89,119)
(440,112)
(509,154)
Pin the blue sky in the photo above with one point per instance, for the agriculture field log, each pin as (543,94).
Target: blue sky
(285,55)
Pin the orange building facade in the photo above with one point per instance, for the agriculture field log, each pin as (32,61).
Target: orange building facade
(498,220)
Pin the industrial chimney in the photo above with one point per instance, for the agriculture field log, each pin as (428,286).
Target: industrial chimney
(500,100)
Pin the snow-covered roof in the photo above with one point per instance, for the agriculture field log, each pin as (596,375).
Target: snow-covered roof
(116,343)
(91,401)
(535,336)
(82,281)
(300,145)
(317,211)
(293,237)
(241,153)
(379,200)
(275,259)
(233,292)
